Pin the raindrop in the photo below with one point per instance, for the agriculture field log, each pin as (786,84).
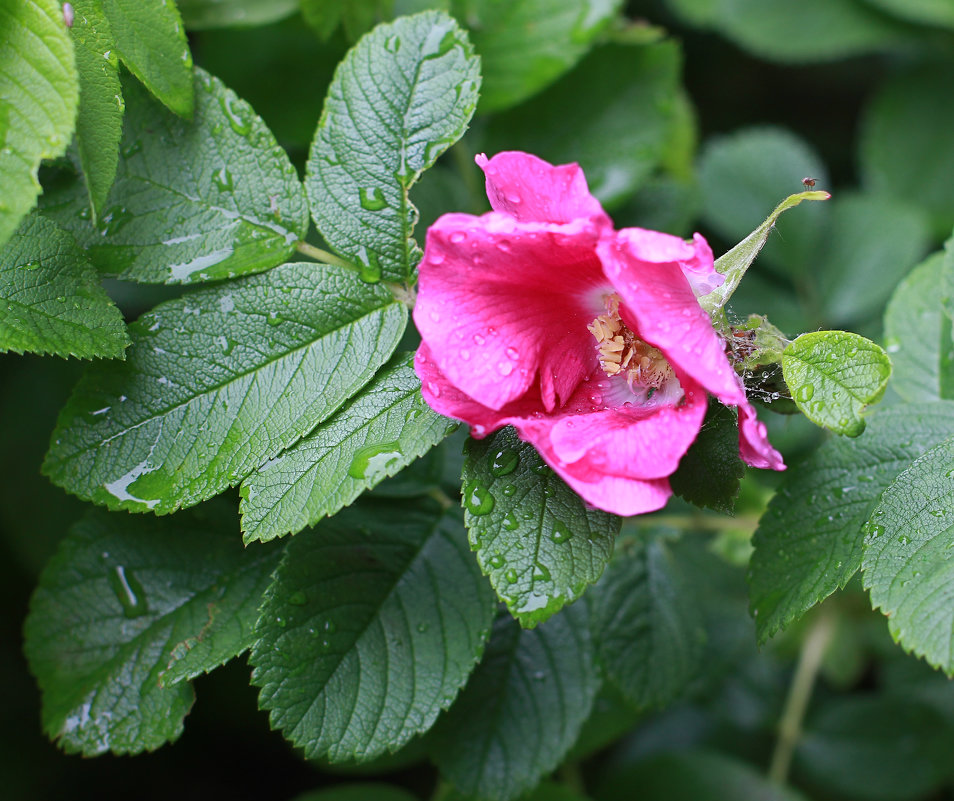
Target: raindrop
(477,499)
(372,462)
(235,114)
(372,199)
(497,561)
(297,598)
(559,533)
(511,576)
(504,461)
(510,522)
(129,591)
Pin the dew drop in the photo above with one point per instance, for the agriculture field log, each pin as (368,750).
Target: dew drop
(511,576)
(297,598)
(372,199)
(559,533)
(477,499)
(509,490)
(131,595)
(236,115)
(504,462)
(372,462)
(497,561)
(505,368)
(510,522)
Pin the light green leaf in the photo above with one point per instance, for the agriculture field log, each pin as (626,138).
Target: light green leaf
(151,42)
(372,625)
(905,146)
(535,538)
(196,201)
(907,564)
(359,792)
(51,300)
(219,381)
(38,99)
(201,14)
(743,175)
(871,243)
(650,633)
(833,376)
(323,16)
(620,132)
(99,123)
(522,709)
(809,542)
(525,46)
(917,333)
(401,97)
(809,31)
(379,432)
(129,608)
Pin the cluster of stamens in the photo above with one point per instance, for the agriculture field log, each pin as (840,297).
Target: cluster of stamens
(622,353)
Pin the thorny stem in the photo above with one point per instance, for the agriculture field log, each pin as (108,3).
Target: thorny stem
(322,255)
(790,726)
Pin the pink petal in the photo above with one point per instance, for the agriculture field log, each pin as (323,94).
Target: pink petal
(621,496)
(533,190)
(640,442)
(754,447)
(501,305)
(658,303)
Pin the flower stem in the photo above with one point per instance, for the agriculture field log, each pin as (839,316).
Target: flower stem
(799,694)
(322,256)
(442,498)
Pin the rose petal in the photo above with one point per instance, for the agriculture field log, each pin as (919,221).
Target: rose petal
(754,447)
(533,190)
(501,303)
(658,302)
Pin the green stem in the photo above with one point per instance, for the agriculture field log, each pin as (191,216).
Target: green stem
(799,694)
(700,522)
(442,498)
(322,255)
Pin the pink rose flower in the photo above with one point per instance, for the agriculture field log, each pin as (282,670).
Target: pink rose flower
(589,341)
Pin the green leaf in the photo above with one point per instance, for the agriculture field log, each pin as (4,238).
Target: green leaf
(545,791)
(833,376)
(907,564)
(219,381)
(872,242)
(812,30)
(917,333)
(151,42)
(372,625)
(743,175)
(376,434)
(650,631)
(99,123)
(711,469)
(323,16)
(905,147)
(38,99)
(401,97)
(196,201)
(809,542)
(621,131)
(126,611)
(535,538)
(525,46)
(522,709)
(926,12)
(699,775)
(51,300)
(201,14)
(874,748)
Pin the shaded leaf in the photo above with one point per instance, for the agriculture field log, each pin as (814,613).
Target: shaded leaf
(51,300)
(522,709)
(38,100)
(373,623)
(400,98)
(535,538)
(200,14)
(219,381)
(621,132)
(650,632)
(833,377)
(525,46)
(710,471)
(192,201)
(379,432)
(129,608)
(809,542)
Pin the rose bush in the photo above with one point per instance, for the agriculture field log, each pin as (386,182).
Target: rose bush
(589,341)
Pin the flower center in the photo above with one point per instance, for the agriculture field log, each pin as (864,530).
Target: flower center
(621,352)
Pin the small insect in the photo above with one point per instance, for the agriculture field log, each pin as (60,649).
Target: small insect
(808,183)
(68,14)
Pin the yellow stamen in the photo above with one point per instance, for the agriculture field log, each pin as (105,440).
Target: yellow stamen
(621,352)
